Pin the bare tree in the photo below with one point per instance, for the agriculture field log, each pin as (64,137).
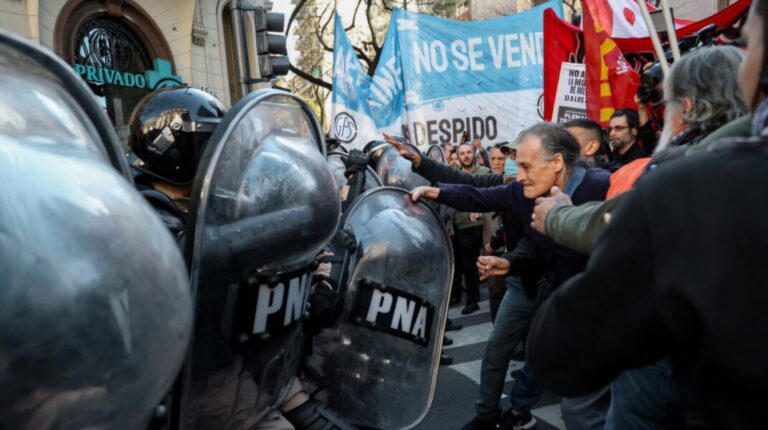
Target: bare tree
(571,5)
(312,23)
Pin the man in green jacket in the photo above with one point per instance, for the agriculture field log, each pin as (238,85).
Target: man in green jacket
(468,231)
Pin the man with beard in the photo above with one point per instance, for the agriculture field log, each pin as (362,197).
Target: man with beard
(702,94)
(678,275)
(497,159)
(622,136)
(468,228)
(491,229)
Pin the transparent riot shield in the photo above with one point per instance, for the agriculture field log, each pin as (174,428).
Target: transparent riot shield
(336,161)
(435,152)
(95,309)
(396,171)
(379,362)
(40,63)
(264,203)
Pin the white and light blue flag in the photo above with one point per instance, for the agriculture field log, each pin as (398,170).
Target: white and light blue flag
(351,116)
(386,94)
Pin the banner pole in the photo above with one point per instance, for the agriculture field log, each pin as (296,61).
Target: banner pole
(654,37)
(670,24)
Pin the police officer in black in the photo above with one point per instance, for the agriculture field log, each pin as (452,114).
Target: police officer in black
(169,130)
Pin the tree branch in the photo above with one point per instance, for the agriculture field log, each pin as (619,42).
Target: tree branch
(375,44)
(295,12)
(311,78)
(354,16)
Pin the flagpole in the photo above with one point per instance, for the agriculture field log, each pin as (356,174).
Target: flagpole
(670,29)
(654,37)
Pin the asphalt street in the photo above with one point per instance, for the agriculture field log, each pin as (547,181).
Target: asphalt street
(457,384)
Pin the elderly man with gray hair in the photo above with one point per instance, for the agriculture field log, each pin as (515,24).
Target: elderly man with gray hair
(702,94)
(548,157)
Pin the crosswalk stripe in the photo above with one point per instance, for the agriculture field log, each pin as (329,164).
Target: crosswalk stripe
(471,369)
(551,415)
(455,313)
(472,335)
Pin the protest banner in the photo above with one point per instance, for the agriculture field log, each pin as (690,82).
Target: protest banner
(571,98)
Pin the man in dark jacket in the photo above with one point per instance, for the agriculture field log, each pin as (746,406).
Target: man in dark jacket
(694,298)
(622,136)
(548,156)
(468,231)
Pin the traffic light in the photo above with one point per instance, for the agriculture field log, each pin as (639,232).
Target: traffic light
(270,43)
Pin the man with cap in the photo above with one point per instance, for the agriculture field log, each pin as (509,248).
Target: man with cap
(510,165)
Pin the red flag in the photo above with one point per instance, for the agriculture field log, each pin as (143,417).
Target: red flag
(611,82)
(561,45)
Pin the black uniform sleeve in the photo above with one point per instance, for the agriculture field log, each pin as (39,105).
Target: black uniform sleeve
(605,319)
(497,240)
(647,136)
(435,172)
(486,160)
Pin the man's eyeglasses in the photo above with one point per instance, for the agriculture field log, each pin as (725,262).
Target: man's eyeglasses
(618,128)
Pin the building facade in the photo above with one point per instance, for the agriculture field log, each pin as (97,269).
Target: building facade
(126,48)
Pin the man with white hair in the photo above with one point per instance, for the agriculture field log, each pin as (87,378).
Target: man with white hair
(702,94)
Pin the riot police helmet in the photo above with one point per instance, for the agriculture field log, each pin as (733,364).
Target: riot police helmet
(374,149)
(169,130)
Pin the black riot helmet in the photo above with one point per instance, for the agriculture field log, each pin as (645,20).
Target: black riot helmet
(374,149)
(169,130)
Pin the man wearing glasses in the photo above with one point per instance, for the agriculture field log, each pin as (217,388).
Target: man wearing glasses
(622,136)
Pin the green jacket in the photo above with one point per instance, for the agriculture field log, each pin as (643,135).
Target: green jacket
(461,219)
(579,227)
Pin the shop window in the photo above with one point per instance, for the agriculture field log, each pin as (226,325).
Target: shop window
(112,60)
(118,50)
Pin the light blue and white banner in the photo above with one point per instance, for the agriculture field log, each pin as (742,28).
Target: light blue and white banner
(352,123)
(437,78)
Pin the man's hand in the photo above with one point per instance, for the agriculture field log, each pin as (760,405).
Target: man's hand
(323,268)
(487,249)
(478,145)
(543,206)
(429,193)
(474,216)
(492,266)
(642,111)
(405,152)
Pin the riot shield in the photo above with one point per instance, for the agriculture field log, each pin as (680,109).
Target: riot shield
(379,361)
(43,64)
(435,152)
(95,309)
(336,161)
(396,171)
(264,203)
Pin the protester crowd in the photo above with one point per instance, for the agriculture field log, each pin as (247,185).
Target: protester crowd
(630,257)
(626,259)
